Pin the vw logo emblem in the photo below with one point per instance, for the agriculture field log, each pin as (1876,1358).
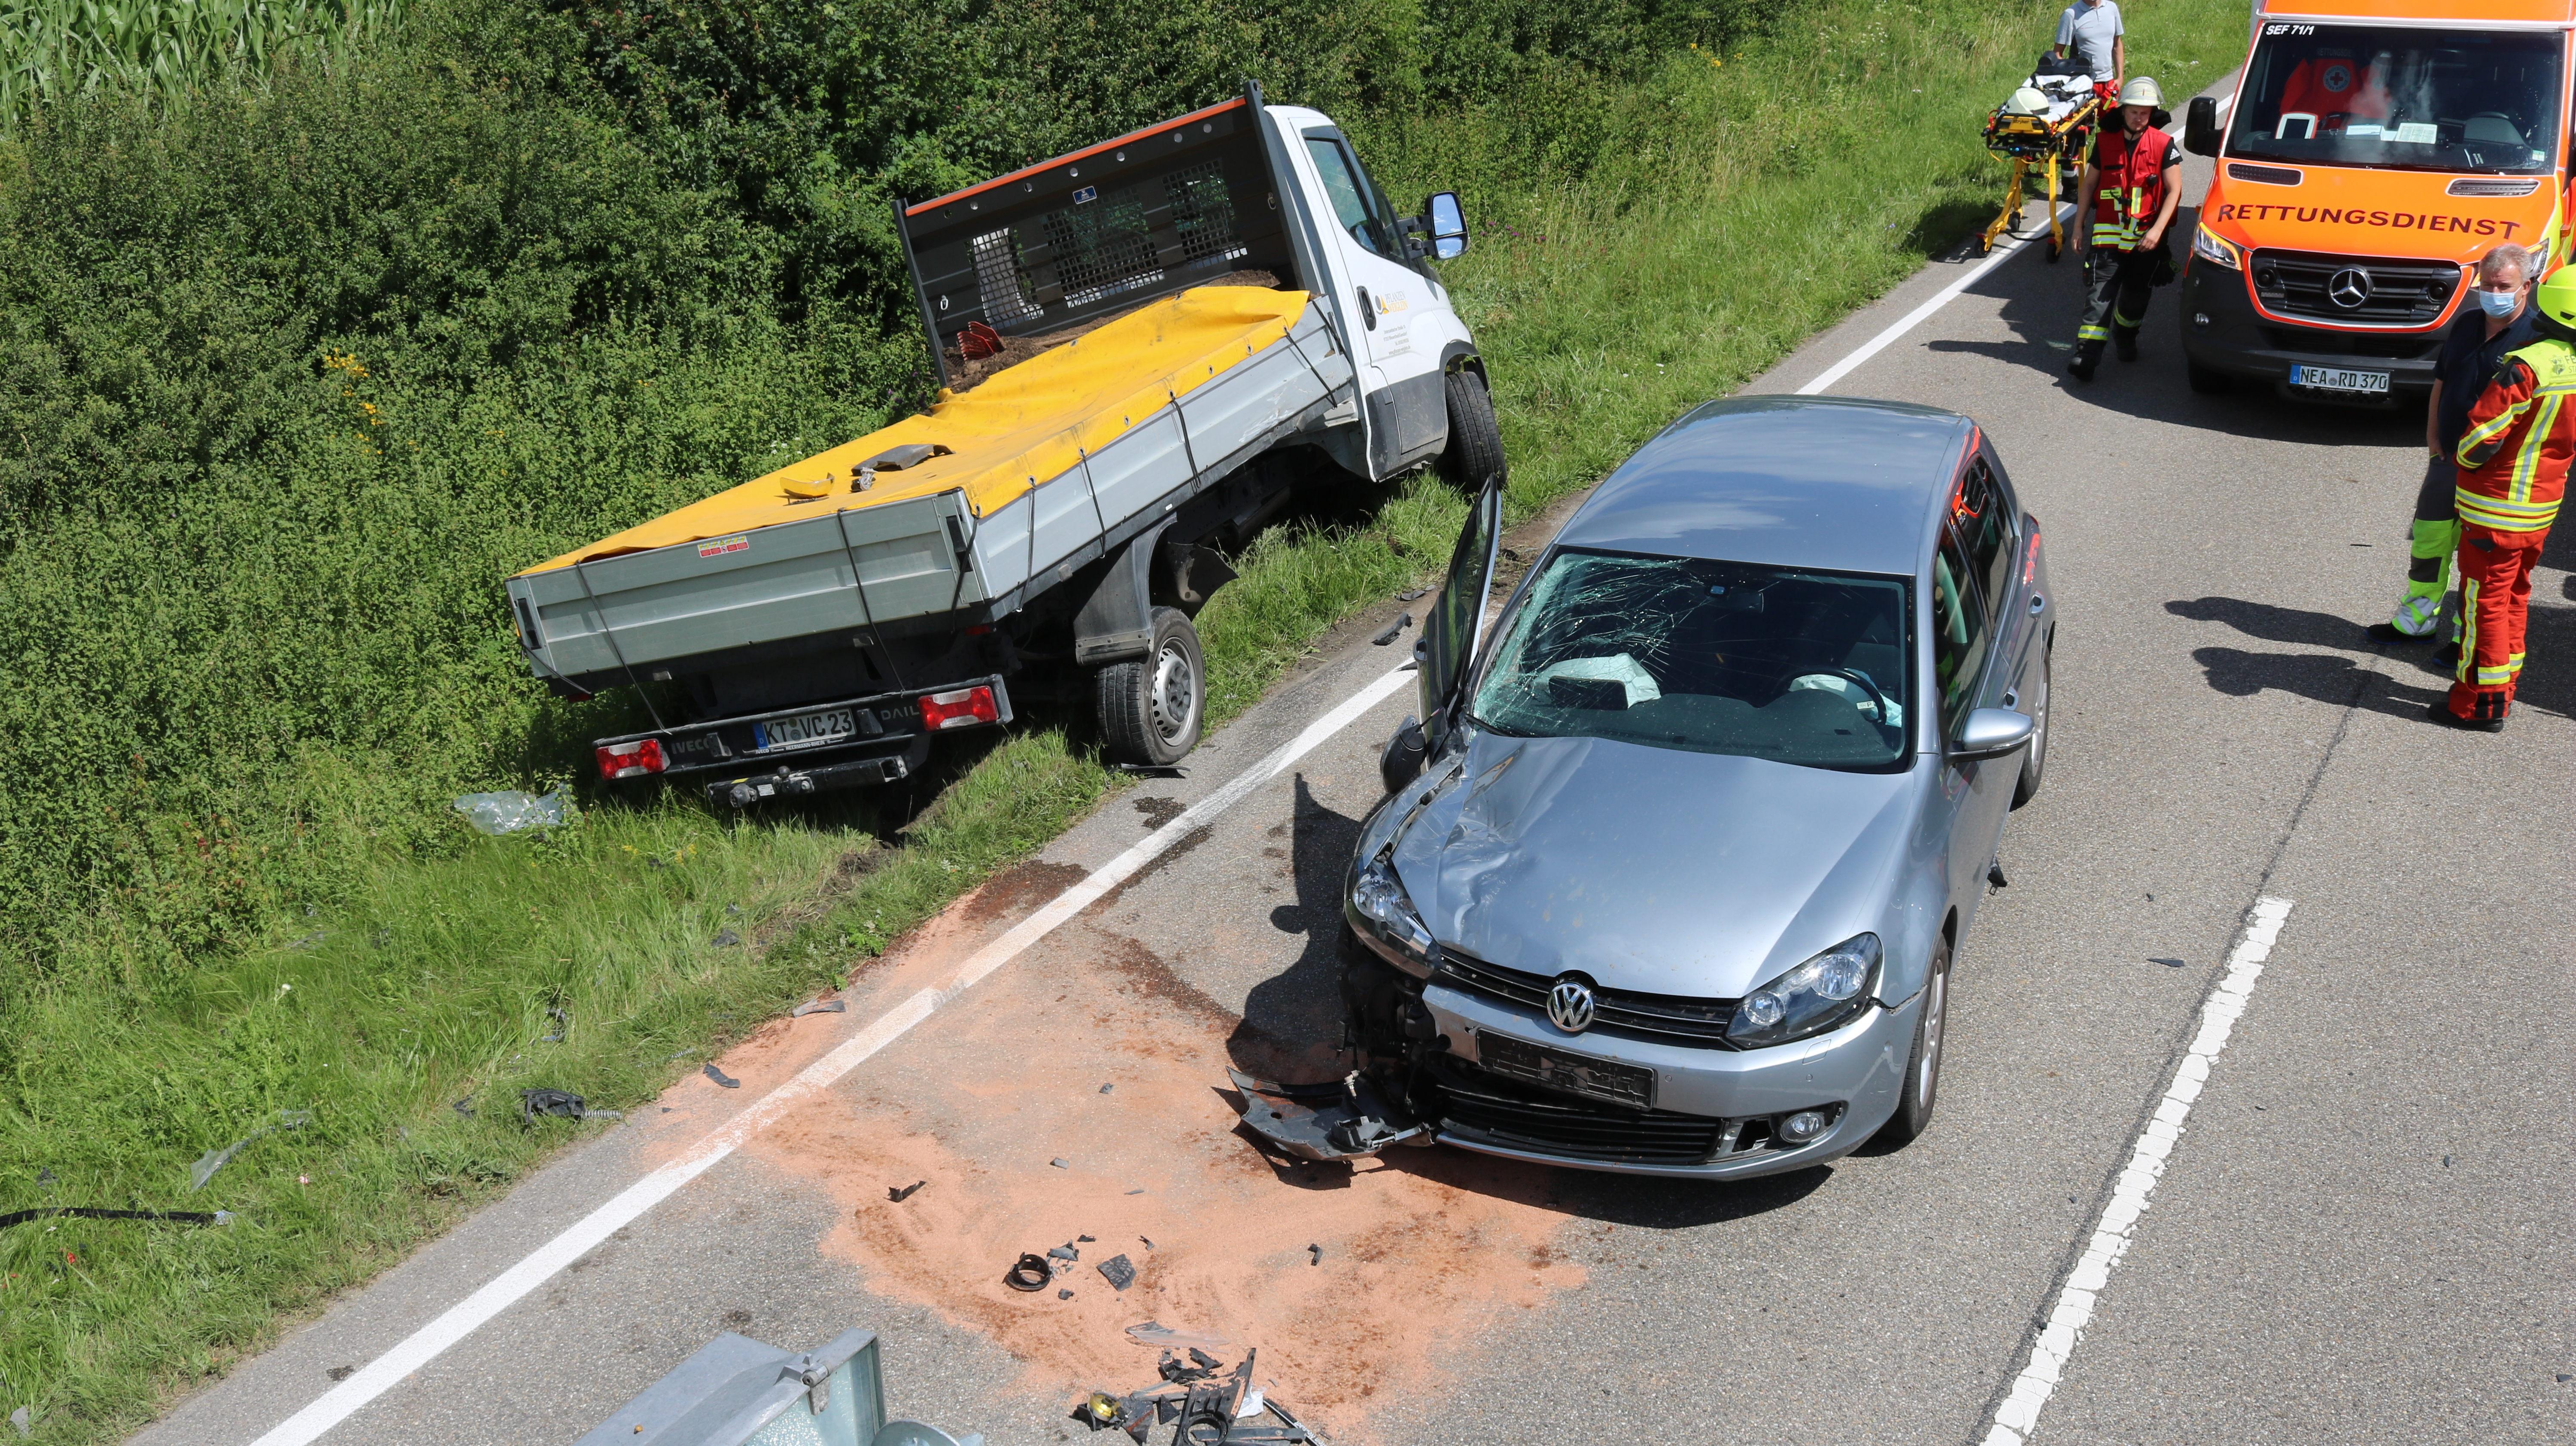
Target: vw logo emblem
(1569,1004)
(2349,287)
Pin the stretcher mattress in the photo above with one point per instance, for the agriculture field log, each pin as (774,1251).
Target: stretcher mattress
(1021,426)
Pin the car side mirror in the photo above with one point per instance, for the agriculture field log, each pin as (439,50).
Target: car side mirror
(2200,126)
(1990,733)
(1405,753)
(1448,225)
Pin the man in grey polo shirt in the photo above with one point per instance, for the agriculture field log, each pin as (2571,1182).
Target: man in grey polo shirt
(2091,29)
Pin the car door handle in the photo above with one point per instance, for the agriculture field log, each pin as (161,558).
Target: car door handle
(2037,602)
(1368,308)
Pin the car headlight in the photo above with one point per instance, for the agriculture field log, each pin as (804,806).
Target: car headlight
(1824,993)
(1383,908)
(2215,249)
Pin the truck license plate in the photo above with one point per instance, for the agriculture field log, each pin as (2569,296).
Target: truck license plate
(1625,1084)
(804,730)
(2340,379)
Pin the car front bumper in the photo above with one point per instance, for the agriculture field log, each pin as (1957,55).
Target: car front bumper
(1860,1068)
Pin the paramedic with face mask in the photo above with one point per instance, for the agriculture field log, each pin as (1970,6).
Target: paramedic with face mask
(2513,471)
(2134,178)
(2498,321)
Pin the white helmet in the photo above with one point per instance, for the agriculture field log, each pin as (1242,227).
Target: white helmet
(2143,90)
(2029,100)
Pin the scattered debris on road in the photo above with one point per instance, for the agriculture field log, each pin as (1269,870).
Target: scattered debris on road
(20,1419)
(900,1193)
(1388,635)
(1030,1273)
(819,1006)
(1151,770)
(1104,1089)
(1201,1409)
(213,1160)
(94,1212)
(341,1373)
(1344,1120)
(720,1077)
(726,939)
(1061,1163)
(562,1104)
(1415,593)
(1317,1252)
(1119,1271)
(1064,1252)
(464,1107)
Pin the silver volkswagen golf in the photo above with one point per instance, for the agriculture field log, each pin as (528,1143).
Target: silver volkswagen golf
(1669,878)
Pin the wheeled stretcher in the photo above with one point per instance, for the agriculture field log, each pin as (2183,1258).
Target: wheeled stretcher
(2048,122)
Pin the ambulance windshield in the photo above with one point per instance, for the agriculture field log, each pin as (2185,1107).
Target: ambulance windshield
(2405,99)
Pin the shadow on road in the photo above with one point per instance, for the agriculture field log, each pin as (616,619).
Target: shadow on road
(2409,685)
(1292,1021)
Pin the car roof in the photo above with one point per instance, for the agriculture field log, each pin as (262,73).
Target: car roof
(1824,482)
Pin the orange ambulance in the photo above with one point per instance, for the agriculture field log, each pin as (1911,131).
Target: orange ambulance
(2373,151)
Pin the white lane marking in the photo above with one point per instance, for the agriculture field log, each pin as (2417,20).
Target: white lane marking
(1918,315)
(462,1319)
(2073,1310)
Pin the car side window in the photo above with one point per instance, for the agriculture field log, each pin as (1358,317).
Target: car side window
(1356,203)
(1958,631)
(1978,509)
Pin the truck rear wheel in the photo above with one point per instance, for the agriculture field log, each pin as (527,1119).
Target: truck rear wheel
(1151,707)
(1475,452)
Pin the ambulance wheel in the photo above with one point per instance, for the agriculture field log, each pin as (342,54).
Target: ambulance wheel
(2208,381)
(1151,708)
(1475,452)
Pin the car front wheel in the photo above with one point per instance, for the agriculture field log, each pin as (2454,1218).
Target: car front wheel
(1923,1066)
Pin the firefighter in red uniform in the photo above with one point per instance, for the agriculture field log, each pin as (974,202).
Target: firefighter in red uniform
(2135,179)
(2513,471)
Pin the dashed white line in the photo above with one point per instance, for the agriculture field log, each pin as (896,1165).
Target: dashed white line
(2018,1415)
(466,1316)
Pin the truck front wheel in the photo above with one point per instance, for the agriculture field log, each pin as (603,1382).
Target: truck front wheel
(1475,454)
(1151,708)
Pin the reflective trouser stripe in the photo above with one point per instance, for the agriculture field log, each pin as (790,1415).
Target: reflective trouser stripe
(2495,612)
(2468,630)
(2131,322)
(2092,333)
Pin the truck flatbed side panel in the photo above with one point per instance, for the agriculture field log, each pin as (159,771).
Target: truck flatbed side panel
(917,543)
(1032,421)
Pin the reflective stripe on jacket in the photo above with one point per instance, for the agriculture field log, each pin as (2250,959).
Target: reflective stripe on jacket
(2522,435)
(2132,182)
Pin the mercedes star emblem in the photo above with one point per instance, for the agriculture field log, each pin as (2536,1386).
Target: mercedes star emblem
(2349,287)
(1569,1004)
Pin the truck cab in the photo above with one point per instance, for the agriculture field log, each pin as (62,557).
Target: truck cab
(2373,152)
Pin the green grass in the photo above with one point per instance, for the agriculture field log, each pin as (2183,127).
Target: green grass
(51,50)
(1723,213)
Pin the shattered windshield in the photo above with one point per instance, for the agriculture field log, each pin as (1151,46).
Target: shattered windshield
(1811,668)
(2401,97)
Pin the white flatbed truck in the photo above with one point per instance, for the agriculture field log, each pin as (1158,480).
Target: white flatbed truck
(1214,310)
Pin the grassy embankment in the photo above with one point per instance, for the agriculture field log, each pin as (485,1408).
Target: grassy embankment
(258,491)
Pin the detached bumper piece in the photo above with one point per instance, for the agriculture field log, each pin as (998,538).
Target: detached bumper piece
(1341,1121)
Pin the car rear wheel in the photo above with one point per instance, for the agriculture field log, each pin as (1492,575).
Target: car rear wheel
(1150,709)
(2034,759)
(1923,1066)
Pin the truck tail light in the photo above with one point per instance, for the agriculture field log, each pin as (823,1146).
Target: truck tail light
(625,760)
(959,708)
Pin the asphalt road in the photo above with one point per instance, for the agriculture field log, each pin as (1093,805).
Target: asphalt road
(2359,1235)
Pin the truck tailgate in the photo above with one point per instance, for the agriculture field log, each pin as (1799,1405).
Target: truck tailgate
(1041,467)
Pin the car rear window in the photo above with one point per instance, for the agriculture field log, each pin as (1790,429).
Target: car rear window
(1805,667)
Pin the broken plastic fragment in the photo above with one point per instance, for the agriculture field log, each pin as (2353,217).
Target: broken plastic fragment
(1083,1239)
(1064,1295)
(1393,628)
(820,1006)
(1317,1252)
(514,811)
(1155,1333)
(213,1160)
(899,1194)
(19,1419)
(1104,1089)
(1029,1273)
(1341,1121)
(726,939)
(1065,1252)
(1060,1163)
(720,1077)
(1119,1271)
(563,1104)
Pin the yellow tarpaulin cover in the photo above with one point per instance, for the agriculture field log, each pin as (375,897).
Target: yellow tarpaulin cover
(1022,426)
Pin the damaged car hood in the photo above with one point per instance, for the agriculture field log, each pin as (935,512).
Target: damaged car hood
(1652,869)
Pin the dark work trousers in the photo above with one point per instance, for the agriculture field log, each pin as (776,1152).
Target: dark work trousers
(2117,285)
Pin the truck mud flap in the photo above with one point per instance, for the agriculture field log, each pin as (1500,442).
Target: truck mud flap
(1344,1120)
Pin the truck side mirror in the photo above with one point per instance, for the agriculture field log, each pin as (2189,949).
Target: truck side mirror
(2200,126)
(1448,225)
